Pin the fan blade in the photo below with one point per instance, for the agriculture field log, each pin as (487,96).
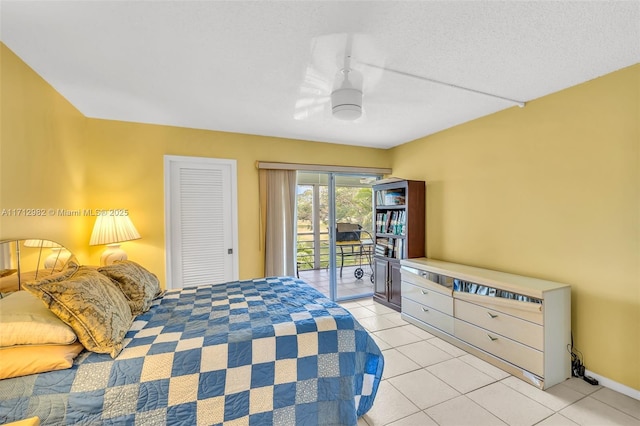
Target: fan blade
(330,56)
(309,107)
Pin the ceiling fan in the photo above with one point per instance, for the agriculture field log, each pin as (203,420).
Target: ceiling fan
(336,84)
(333,84)
(346,99)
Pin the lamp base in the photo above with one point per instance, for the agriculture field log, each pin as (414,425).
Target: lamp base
(112,253)
(57,259)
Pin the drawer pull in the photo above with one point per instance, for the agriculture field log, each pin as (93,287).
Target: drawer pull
(424,309)
(424,292)
(492,315)
(493,339)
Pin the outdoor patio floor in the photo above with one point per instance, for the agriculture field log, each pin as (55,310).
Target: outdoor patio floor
(348,286)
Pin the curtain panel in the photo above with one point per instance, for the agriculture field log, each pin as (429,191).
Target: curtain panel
(277,216)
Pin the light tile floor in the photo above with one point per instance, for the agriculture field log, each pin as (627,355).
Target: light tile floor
(427,381)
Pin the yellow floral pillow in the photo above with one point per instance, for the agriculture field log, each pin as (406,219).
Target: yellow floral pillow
(138,285)
(91,305)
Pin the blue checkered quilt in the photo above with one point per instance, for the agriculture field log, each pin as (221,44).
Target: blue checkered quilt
(261,352)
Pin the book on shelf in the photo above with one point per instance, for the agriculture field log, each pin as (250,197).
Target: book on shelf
(387,225)
(402,222)
(394,198)
(391,222)
(391,247)
(391,197)
(399,249)
(399,221)
(381,223)
(385,247)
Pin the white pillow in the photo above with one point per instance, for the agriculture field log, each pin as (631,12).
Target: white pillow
(25,320)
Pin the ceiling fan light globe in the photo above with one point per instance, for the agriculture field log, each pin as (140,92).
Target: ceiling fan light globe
(346,103)
(347,112)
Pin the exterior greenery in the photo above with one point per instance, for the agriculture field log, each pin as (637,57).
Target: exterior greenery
(353,205)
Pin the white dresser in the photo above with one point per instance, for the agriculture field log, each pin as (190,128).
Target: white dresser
(517,323)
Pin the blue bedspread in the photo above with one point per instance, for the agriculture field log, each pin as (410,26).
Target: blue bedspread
(267,351)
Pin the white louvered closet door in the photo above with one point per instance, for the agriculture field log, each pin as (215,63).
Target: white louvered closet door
(201,245)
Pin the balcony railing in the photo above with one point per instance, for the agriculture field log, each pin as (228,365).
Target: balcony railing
(312,254)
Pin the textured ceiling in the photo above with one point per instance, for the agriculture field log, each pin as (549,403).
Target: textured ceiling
(268,67)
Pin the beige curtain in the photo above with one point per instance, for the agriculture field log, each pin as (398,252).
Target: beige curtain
(277,215)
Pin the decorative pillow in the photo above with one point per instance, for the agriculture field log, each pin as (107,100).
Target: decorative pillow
(12,282)
(138,285)
(49,275)
(92,306)
(31,359)
(25,320)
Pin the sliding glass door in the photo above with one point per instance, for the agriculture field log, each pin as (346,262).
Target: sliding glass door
(312,232)
(353,236)
(334,228)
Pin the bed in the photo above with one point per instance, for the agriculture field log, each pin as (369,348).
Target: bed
(256,352)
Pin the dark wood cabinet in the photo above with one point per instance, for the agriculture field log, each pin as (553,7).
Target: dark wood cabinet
(380,277)
(398,215)
(395,295)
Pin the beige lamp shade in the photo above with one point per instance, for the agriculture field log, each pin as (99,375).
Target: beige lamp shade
(113,230)
(41,243)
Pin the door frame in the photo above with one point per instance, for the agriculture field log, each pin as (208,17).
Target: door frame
(169,160)
(331,231)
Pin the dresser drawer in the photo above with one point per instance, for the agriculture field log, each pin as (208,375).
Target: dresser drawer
(511,351)
(495,321)
(532,312)
(422,280)
(428,297)
(428,315)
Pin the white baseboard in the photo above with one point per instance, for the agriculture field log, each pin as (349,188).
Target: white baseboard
(618,387)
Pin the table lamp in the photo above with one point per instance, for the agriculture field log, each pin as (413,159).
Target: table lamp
(58,257)
(113,230)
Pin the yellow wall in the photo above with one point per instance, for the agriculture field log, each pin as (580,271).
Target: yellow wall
(42,149)
(51,156)
(125,170)
(550,191)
